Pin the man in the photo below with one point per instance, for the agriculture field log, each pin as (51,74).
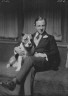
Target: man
(46,56)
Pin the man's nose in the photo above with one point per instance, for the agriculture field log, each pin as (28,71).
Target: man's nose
(41,28)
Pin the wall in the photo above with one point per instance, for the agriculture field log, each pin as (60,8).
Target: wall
(49,9)
(11,26)
(11,18)
(55,12)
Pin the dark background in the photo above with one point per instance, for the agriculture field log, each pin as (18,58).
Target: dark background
(25,12)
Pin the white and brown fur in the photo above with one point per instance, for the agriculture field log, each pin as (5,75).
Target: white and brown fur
(26,46)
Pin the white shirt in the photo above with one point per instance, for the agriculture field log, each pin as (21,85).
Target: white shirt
(36,41)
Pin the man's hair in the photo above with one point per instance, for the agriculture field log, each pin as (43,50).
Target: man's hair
(39,19)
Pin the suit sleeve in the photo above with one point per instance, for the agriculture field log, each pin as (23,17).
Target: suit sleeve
(53,54)
(53,47)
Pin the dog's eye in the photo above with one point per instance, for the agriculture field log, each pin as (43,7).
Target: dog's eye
(26,39)
(31,40)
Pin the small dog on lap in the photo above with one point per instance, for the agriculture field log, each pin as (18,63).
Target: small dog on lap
(21,52)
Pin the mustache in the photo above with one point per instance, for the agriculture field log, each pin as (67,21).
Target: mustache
(41,30)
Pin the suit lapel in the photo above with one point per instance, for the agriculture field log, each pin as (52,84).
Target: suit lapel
(44,37)
(36,41)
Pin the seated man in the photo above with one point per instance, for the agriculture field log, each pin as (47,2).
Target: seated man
(46,55)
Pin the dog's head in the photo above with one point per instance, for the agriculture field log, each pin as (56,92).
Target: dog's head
(27,40)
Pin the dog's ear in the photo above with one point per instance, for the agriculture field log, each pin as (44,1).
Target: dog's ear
(22,34)
(30,36)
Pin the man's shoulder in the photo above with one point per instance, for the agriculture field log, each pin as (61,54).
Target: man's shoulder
(50,36)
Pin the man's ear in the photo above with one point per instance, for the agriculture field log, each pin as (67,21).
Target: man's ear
(22,34)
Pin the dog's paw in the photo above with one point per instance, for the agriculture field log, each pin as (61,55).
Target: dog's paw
(8,65)
(18,69)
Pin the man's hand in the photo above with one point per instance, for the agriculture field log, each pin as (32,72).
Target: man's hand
(41,55)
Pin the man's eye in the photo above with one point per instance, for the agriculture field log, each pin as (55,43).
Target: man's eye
(38,25)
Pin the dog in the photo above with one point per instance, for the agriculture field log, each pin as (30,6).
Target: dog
(25,48)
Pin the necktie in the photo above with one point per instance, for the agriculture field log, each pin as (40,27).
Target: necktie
(38,36)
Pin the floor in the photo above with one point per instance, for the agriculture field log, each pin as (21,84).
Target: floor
(7,74)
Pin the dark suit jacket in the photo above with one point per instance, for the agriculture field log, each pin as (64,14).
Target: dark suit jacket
(48,45)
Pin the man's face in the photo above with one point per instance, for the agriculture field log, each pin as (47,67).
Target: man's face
(40,26)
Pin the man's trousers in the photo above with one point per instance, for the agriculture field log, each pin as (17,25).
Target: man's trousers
(27,69)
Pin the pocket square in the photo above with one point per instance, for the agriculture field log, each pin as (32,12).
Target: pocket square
(46,36)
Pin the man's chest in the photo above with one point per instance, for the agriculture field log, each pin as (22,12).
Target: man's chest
(37,40)
(41,42)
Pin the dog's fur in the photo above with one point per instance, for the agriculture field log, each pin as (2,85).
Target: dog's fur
(25,46)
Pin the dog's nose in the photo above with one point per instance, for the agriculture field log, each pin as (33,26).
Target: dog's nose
(29,44)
